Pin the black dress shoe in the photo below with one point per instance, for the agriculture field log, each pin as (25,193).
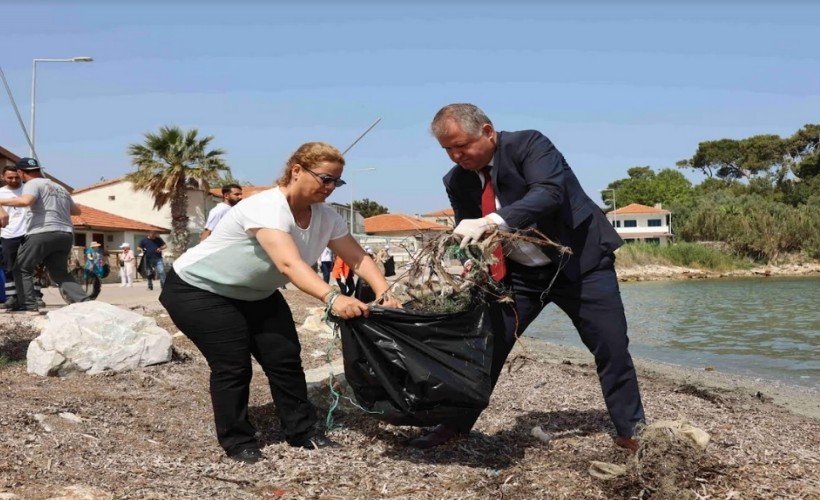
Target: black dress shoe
(318,440)
(247,455)
(437,437)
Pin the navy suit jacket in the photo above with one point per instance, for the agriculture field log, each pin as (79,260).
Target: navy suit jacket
(535,186)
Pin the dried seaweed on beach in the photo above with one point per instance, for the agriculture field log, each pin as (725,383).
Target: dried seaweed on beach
(443,277)
(149,434)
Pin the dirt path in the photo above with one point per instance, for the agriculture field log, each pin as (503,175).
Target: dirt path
(149,434)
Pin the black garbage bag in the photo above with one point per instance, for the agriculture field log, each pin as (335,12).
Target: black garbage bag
(364,292)
(414,368)
(389,267)
(145,269)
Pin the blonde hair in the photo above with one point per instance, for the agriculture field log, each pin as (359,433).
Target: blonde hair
(308,156)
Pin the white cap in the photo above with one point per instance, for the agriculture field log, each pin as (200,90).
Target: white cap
(125,245)
(367,249)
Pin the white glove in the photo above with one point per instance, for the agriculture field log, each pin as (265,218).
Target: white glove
(471,230)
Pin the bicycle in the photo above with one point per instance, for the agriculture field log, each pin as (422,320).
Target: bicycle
(89,281)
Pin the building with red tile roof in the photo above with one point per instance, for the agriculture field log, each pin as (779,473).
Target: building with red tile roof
(445,217)
(637,208)
(636,222)
(118,197)
(400,225)
(91,218)
(109,230)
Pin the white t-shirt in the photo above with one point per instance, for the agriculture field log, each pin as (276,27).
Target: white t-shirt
(18,216)
(327,255)
(233,264)
(216,214)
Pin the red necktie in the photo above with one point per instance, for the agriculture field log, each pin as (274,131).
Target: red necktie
(499,269)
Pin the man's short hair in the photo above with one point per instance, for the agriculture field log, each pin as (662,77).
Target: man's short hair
(10,168)
(227,188)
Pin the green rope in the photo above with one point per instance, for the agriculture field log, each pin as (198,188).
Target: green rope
(335,396)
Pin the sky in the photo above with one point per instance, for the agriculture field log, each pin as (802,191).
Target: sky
(613,85)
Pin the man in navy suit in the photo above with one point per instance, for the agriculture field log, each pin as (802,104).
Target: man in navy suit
(519,180)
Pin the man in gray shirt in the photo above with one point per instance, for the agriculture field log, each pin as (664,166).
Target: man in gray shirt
(49,237)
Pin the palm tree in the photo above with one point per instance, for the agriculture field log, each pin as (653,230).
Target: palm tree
(168,164)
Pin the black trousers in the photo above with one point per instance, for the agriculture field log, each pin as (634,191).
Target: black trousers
(228,332)
(52,249)
(594,305)
(10,248)
(327,267)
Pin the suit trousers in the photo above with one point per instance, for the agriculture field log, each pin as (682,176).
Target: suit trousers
(228,332)
(594,305)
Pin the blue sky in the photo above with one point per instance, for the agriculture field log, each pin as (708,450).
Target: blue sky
(614,85)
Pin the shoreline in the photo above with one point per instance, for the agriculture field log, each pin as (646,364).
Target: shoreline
(653,272)
(799,400)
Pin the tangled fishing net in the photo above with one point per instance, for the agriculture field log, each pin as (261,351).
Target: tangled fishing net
(443,277)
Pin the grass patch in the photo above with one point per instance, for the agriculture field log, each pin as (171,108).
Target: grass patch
(14,340)
(679,254)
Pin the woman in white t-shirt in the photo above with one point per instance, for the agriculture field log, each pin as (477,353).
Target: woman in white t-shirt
(223,294)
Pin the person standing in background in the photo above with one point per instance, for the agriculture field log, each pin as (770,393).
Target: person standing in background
(344,277)
(152,248)
(231,195)
(326,263)
(127,260)
(93,261)
(11,236)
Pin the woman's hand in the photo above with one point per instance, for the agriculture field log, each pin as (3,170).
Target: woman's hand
(349,308)
(388,300)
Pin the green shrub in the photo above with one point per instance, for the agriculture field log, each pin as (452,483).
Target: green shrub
(678,254)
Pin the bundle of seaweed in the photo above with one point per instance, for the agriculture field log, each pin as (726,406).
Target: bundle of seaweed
(445,278)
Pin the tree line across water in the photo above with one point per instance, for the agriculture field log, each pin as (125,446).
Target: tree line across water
(760,198)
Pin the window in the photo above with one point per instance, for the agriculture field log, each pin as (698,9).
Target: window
(630,223)
(652,241)
(112,198)
(616,223)
(655,222)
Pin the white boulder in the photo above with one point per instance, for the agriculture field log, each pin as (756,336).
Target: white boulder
(94,337)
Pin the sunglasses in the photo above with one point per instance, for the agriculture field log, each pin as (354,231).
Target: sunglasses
(327,179)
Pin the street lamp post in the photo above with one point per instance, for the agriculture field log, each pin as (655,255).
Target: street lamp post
(351,194)
(614,215)
(34,91)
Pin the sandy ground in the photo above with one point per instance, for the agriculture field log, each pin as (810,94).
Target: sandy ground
(149,433)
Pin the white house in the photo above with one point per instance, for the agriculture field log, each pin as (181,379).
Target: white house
(118,197)
(637,222)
